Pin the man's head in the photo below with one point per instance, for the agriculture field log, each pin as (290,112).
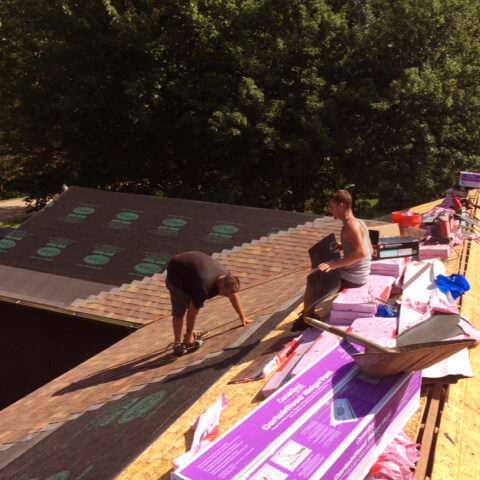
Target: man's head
(227,285)
(339,202)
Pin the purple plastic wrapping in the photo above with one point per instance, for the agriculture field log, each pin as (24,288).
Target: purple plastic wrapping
(330,422)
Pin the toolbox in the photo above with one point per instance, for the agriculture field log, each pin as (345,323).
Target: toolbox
(394,247)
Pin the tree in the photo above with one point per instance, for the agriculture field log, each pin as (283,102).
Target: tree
(266,103)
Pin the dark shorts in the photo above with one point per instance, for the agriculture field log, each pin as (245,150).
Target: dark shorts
(179,299)
(347,284)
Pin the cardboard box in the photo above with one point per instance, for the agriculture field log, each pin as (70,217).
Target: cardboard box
(413,232)
(384,231)
(330,422)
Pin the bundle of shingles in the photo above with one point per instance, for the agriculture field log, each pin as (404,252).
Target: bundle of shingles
(313,343)
(442,252)
(392,267)
(355,309)
(361,302)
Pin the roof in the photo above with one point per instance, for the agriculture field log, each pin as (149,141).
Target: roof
(273,270)
(448,423)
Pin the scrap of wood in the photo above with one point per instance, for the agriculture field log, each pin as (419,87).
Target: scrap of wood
(426,449)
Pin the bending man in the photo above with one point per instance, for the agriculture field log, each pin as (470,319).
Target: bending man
(192,277)
(354,266)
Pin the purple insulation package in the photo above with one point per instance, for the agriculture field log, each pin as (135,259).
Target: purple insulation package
(470,179)
(330,422)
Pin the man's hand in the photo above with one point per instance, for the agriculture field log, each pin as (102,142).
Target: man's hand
(325,267)
(235,301)
(245,321)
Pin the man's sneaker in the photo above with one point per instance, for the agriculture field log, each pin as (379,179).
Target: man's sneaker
(197,342)
(179,349)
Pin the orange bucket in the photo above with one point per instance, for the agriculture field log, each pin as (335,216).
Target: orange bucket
(407,219)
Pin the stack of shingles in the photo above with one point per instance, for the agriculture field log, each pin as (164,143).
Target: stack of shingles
(353,303)
(379,329)
(442,252)
(391,267)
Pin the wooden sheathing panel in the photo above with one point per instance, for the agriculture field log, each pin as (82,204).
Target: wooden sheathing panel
(426,207)
(458,442)
(457,450)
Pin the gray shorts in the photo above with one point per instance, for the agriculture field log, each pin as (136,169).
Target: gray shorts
(179,300)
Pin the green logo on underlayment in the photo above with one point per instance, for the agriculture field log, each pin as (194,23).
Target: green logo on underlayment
(142,407)
(225,229)
(65,475)
(222,233)
(60,476)
(96,259)
(123,220)
(84,210)
(171,226)
(6,243)
(48,252)
(174,222)
(128,216)
(148,268)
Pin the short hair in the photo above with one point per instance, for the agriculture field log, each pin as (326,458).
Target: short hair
(342,196)
(231,283)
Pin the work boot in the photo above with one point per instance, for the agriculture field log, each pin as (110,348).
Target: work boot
(197,341)
(179,349)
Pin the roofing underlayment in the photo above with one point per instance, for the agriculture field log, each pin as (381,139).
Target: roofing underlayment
(95,420)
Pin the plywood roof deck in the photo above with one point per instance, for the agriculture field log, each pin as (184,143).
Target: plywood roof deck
(457,443)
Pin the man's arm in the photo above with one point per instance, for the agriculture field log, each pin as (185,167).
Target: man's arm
(236,304)
(354,234)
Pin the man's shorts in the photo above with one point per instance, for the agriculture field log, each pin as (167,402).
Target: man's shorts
(179,300)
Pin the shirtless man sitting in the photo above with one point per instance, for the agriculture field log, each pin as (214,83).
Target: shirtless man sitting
(354,267)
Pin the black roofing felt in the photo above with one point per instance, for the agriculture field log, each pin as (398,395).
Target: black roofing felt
(115,238)
(45,288)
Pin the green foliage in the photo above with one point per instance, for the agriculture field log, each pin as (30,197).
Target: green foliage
(266,103)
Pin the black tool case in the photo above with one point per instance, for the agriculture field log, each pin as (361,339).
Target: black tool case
(395,247)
